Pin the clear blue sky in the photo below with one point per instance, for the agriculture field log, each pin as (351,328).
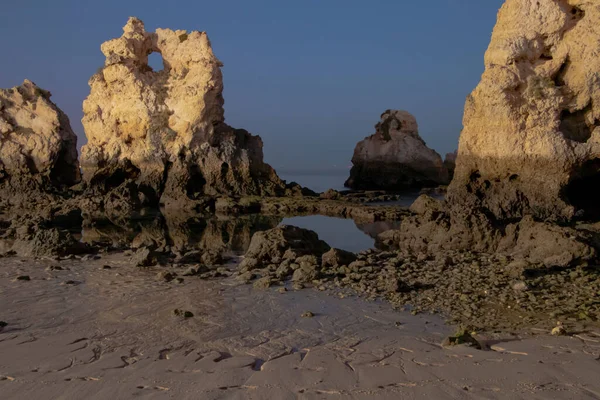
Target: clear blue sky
(310,76)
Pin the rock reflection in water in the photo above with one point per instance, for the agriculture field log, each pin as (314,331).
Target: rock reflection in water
(179,233)
(341,233)
(182,233)
(375,228)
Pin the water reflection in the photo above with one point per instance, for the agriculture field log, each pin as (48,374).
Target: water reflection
(178,234)
(337,232)
(375,228)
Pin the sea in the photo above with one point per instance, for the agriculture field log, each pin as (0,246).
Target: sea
(339,232)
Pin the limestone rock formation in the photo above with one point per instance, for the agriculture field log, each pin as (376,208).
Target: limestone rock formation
(531,138)
(38,150)
(160,135)
(395,157)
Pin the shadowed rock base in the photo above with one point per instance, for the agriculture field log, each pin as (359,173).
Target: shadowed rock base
(510,188)
(373,175)
(436,228)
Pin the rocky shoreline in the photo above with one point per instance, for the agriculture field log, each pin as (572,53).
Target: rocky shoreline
(490,292)
(161,262)
(513,244)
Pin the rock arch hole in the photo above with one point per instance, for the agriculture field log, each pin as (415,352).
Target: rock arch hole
(577,13)
(156,62)
(583,192)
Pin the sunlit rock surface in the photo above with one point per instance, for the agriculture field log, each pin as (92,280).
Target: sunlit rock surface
(38,149)
(160,136)
(531,138)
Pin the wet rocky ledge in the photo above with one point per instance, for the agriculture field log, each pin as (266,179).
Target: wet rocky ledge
(492,292)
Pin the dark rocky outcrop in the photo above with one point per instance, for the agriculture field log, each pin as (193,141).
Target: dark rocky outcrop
(435,229)
(36,241)
(283,242)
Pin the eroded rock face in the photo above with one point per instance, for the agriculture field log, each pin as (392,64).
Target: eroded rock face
(38,150)
(531,138)
(160,135)
(433,229)
(285,241)
(395,157)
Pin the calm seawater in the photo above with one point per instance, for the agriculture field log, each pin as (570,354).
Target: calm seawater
(338,232)
(318,182)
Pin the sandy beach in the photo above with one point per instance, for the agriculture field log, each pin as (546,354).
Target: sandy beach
(89,331)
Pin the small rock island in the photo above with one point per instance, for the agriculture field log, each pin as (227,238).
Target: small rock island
(395,157)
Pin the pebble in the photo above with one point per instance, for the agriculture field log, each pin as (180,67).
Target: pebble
(487,291)
(182,313)
(559,330)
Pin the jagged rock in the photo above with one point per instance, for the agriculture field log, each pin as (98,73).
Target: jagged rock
(263,283)
(160,136)
(462,337)
(545,243)
(166,276)
(424,204)
(330,194)
(197,256)
(33,241)
(537,242)
(531,137)
(191,257)
(530,148)
(294,189)
(558,330)
(275,243)
(38,151)
(395,157)
(335,258)
(212,258)
(144,257)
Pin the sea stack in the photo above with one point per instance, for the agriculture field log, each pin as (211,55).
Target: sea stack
(531,137)
(395,157)
(159,137)
(38,151)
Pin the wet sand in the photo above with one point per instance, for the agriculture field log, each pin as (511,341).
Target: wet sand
(86,332)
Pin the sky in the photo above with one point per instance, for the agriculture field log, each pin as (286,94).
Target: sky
(311,77)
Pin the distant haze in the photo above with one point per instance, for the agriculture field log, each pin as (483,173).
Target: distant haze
(311,77)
